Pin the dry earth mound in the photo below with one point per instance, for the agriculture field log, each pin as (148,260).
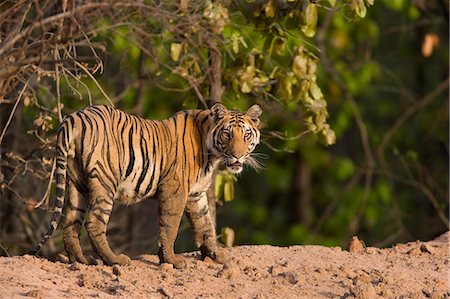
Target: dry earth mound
(412,270)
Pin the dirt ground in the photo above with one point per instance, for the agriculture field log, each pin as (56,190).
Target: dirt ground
(412,270)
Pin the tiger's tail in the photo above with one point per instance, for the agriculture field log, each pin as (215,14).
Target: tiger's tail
(60,174)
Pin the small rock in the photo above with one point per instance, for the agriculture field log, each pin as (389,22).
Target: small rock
(208,260)
(230,270)
(386,293)
(290,277)
(261,295)
(427,292)
(117,270)
(362,278)
(166,266)
(81,280)
(414,251)
(364,291)
(75,266)
(165,292)
(427,248)
(35,294)
(350,274)
(276,270)
(371,250)
(356,245)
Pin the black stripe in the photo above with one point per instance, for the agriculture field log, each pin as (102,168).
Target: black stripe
(155,158)
(105,173)
(60,178)
(130,148)
(59,203)
(83,134)
(183,141)
(203,211)
(145,161)
(59,192)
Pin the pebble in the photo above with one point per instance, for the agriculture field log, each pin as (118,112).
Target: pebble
(427,248)
(208,260)
(290,277)
(356,245)
(165,292)
(75,266)
(365,291)
(276,270)
(414,251)
(35,294)
(362,278)
(117,270)
(230,270)
(166,266)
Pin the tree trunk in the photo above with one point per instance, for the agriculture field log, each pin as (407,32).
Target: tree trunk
(215,95)
(302,193)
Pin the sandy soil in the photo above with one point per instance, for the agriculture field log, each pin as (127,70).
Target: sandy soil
(412,270)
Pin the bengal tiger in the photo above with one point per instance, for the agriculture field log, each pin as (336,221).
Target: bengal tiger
(104,155)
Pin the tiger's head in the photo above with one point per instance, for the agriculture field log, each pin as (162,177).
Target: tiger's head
(234,136)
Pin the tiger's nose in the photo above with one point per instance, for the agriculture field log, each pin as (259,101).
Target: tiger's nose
(237,156)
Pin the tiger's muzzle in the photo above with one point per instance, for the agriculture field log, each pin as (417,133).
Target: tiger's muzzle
(235,167)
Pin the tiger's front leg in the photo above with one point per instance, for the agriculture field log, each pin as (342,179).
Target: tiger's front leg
(197,212)
(170,210)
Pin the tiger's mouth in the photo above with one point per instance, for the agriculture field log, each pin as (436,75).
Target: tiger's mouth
(235,167)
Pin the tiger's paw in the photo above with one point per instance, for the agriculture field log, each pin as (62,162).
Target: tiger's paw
(122,260)
(217,254)
(178,262)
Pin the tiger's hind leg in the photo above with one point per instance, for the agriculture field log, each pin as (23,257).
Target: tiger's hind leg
(197,212)
(73,221)
(100,207)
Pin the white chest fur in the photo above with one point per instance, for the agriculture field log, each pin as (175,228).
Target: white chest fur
(204,181)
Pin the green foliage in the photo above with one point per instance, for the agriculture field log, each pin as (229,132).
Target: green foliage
(273,53)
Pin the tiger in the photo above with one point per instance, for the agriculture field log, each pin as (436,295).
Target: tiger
(105,155)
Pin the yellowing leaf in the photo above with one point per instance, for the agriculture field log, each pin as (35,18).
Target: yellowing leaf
(270,9)
(228,236)
(175,51)
(218,185)
(359,7)
(285,87)
(228,191)
(315,91)
(300,65)
(327,137)
(332,2)
(246,87)
(309,20)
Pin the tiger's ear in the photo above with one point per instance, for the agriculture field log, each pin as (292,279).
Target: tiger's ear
(218,111)
(254,112)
